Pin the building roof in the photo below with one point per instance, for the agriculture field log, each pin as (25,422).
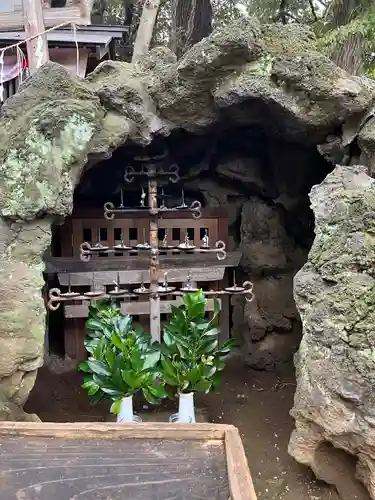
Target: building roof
(89,36)
(9,5)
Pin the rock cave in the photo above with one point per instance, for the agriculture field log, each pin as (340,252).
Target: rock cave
(256,118)
(258,179)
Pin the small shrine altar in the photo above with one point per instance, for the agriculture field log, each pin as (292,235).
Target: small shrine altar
(144,258)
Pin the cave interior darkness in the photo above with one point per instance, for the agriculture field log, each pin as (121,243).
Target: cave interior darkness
(246,163)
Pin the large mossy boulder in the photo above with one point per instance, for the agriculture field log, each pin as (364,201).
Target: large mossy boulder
(335,295)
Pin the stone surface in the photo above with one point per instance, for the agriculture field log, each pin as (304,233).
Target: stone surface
(334,292)
(216,196)
(42,145)
(265,244)
(270,78)
(245,170)
(269,327)
(366,141)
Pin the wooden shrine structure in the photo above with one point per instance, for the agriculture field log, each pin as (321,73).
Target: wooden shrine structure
(75,37)
(78,11)
(133,268)
(145,258)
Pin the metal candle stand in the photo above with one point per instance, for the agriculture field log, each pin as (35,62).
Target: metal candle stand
(86,250)
(56,297)
(152,171)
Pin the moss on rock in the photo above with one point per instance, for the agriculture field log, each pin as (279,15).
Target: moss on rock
(270,77)
(335,295)
(44,144)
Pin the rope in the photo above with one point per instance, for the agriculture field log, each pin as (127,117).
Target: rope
(74,27)
(1,76)
(21,64)
(38,35)
(38,52)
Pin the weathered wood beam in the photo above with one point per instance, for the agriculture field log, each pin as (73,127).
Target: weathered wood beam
(138,308)
(141,263)
(175,275)
(100,430)
(80,14)
(37,48)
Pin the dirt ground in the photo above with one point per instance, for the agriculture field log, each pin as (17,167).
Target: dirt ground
(258,403)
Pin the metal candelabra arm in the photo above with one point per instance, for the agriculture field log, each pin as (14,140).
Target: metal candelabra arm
(249,295)
(196,208)
(174,175)
(85,251)
(54,299)
(109,210)
(220,250)
(129,174)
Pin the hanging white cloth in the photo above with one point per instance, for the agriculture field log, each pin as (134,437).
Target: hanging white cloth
(2,76)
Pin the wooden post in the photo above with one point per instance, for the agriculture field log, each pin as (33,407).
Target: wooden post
(154,264)
(37,48)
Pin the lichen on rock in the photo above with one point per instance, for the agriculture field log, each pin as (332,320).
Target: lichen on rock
(43,145)
(335,296)
(55,126)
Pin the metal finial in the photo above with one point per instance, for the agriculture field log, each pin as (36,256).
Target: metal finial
(117,282)
(142,289)
(93,293)
(186,245)
(189,285)
(143,197)
(235,288)
(183,204)
(118,291)
(205,239)
(162,206)
(165,239)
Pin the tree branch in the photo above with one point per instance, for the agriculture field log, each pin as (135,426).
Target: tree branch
(313,10)
(281,15)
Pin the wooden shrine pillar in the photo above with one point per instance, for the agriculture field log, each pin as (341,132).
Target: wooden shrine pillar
(37,48)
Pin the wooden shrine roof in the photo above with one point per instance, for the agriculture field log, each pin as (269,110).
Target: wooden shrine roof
(86,37)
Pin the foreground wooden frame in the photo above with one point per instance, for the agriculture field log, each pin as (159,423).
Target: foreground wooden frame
(239,477)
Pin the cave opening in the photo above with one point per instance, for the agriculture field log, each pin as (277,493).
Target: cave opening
(261,183)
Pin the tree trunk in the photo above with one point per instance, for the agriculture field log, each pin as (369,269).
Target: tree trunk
(98,12)
(191,21)
(348,55)
(145,28)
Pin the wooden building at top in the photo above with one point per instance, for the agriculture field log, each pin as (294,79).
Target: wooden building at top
(95,43)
